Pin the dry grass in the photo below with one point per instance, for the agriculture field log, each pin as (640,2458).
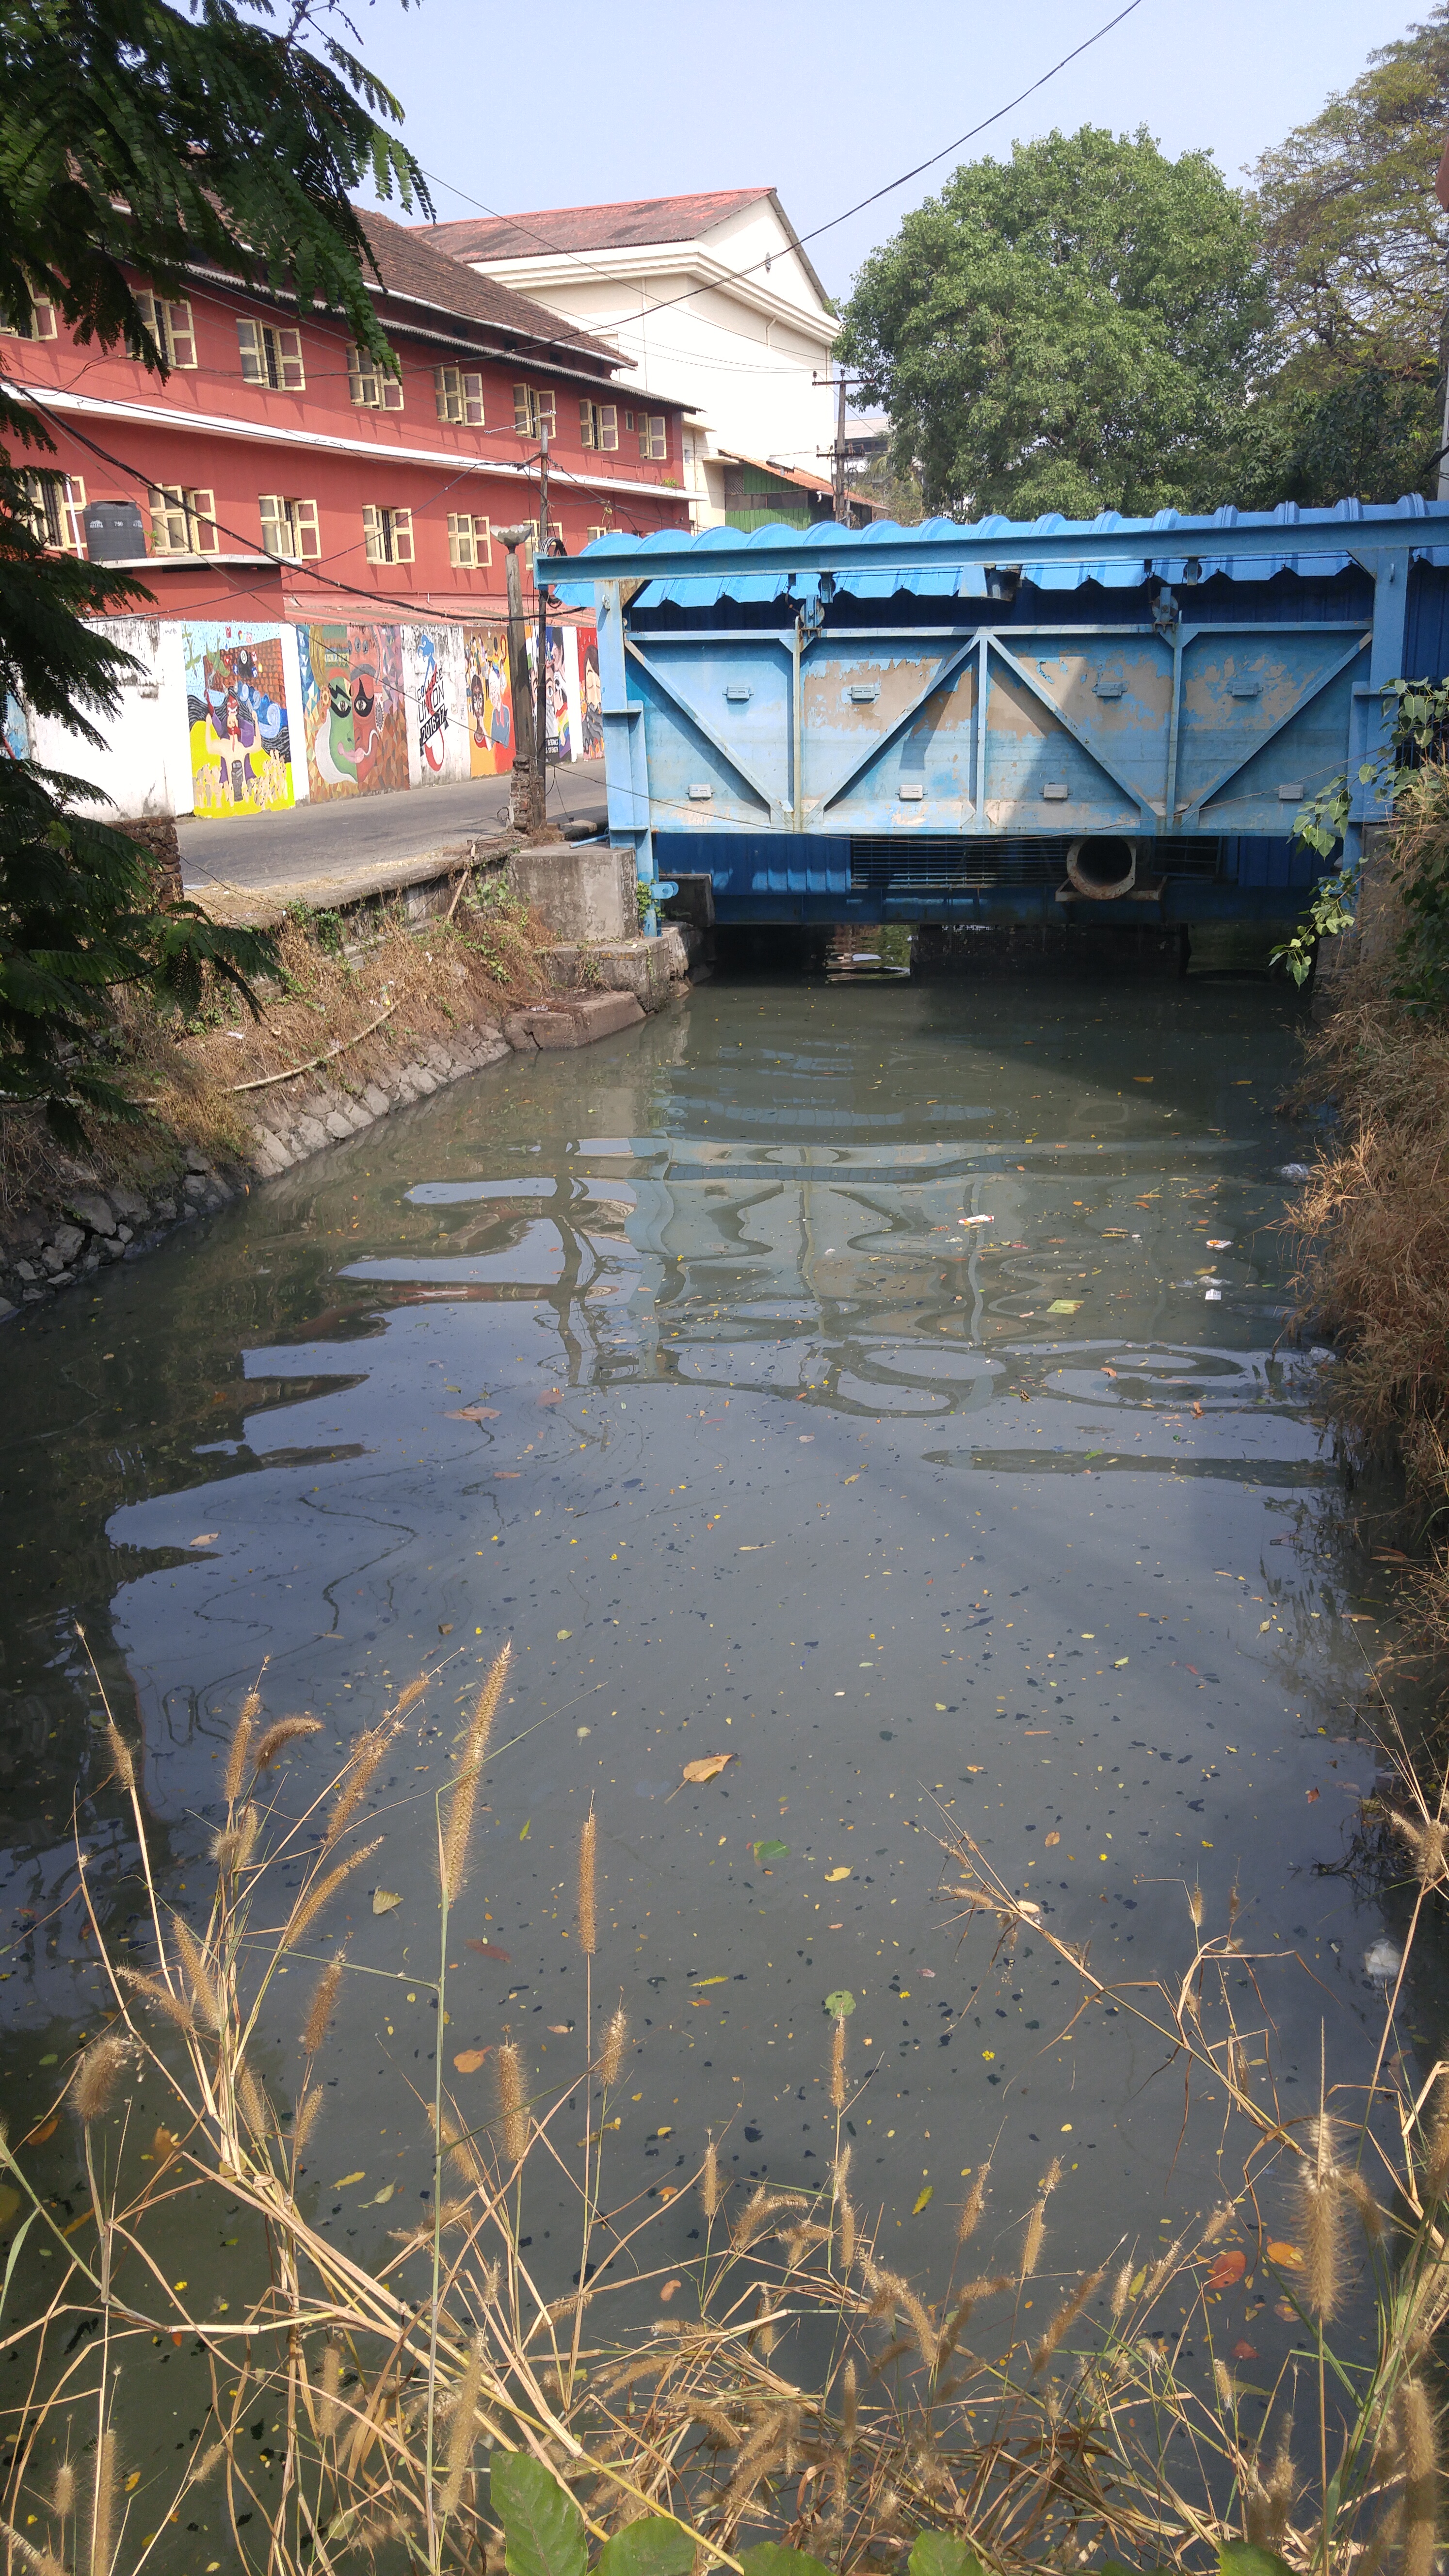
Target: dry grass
(799,2388)
(1373,1224)
(441,976)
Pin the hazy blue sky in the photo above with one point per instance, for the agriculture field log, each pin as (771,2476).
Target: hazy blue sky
(827,103)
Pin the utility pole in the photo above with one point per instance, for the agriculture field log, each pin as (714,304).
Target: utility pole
(540,578)
(527,787)
(841,383)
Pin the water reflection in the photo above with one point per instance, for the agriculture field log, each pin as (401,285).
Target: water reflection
(880,1384)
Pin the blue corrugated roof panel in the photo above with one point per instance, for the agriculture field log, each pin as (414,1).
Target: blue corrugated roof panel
(1170,541)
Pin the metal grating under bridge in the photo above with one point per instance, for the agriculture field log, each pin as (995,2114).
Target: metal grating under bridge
(887,864)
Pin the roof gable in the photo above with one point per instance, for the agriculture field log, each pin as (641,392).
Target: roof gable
(410,265)
(634,223)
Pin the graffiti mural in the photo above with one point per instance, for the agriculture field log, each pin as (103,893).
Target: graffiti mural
(236,707)
(490,703)
(354,712)
(591,690)
(432,708)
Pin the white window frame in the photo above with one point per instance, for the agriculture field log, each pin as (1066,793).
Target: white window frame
(371,385)
(41,325)
(171,325)
(654,436)
(534,411)
(599,426)
(182,522)
(458,394)
(387,534)
(57,512)
(470,542)
(271,356)
(290,529)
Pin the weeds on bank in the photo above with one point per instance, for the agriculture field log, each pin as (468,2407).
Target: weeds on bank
(802,2392)
(413,983)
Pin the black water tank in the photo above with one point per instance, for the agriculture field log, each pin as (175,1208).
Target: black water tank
(115,532)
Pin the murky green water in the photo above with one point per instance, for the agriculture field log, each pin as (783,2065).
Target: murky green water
(875,1384)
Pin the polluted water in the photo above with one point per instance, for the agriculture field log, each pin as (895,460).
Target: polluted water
(866,1409)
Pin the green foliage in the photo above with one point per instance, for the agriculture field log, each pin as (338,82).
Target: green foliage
(1070,330)
(78,919)
(543,2529)
(139,137)
(654,2546)
(1371,433)
(939,2553)
(166,138)
(1406,772)
(1246,2558)
(770,2558)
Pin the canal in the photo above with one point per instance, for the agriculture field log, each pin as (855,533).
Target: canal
(881,1386)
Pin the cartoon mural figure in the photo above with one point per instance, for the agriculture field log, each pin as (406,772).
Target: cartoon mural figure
(556,696)
(327,709)
(593,724)
(353,709)
(490,705)
(241,751)
(432,707)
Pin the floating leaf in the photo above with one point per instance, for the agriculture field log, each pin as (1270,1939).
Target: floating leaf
(1064,1305)
(468,2060)
(1134,2286)
(1227,2271)
(1053,1838)
(938,2553)
(772,1850)
(46,2129)
(490,1950)
(559,2029)
(543,2529)
(385,2194)
(9,2203)
(473,1413)
(708,1767)
(655,2545)
(206,1538)
(841,2004)
(1289,2256)
(1245,2352)
(721,1980)
(527,1830)
(565,1632)
(923,2200)
(384,1899)
(834,1874)
(348,2179)
(1119,1661)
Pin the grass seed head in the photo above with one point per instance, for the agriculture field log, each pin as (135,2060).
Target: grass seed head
(312,1899)
(1033,2241)
(588,1854)
(611,2055)
(237,1751)
(324,1999)
(711,2190)
(94,2089)
(512,2111)
(357,1778)
(121,1756)
(198,1974)
(973,2205)
(105,2492)
(286,1731)
(837,2064)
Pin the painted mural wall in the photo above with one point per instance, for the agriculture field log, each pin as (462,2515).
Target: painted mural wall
(225,719)
(237,718)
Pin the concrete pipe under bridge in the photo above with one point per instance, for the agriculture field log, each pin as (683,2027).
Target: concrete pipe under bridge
(1102,865)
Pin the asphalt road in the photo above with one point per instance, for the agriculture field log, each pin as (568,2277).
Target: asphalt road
(368,830)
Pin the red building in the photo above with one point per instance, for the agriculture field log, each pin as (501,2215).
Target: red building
(276,474)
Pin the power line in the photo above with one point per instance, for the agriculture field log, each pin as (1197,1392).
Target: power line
(687,296)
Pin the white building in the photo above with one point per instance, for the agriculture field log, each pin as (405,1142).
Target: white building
(717,305)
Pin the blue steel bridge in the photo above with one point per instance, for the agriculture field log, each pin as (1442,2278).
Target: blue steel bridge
(1113,719)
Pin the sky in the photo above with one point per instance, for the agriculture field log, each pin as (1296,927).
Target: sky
(509,111)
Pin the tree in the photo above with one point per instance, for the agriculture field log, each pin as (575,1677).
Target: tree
(135,136)
(1070,330)
(1353,249)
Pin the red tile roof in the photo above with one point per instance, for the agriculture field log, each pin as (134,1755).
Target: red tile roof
(411,265)
(633,224)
